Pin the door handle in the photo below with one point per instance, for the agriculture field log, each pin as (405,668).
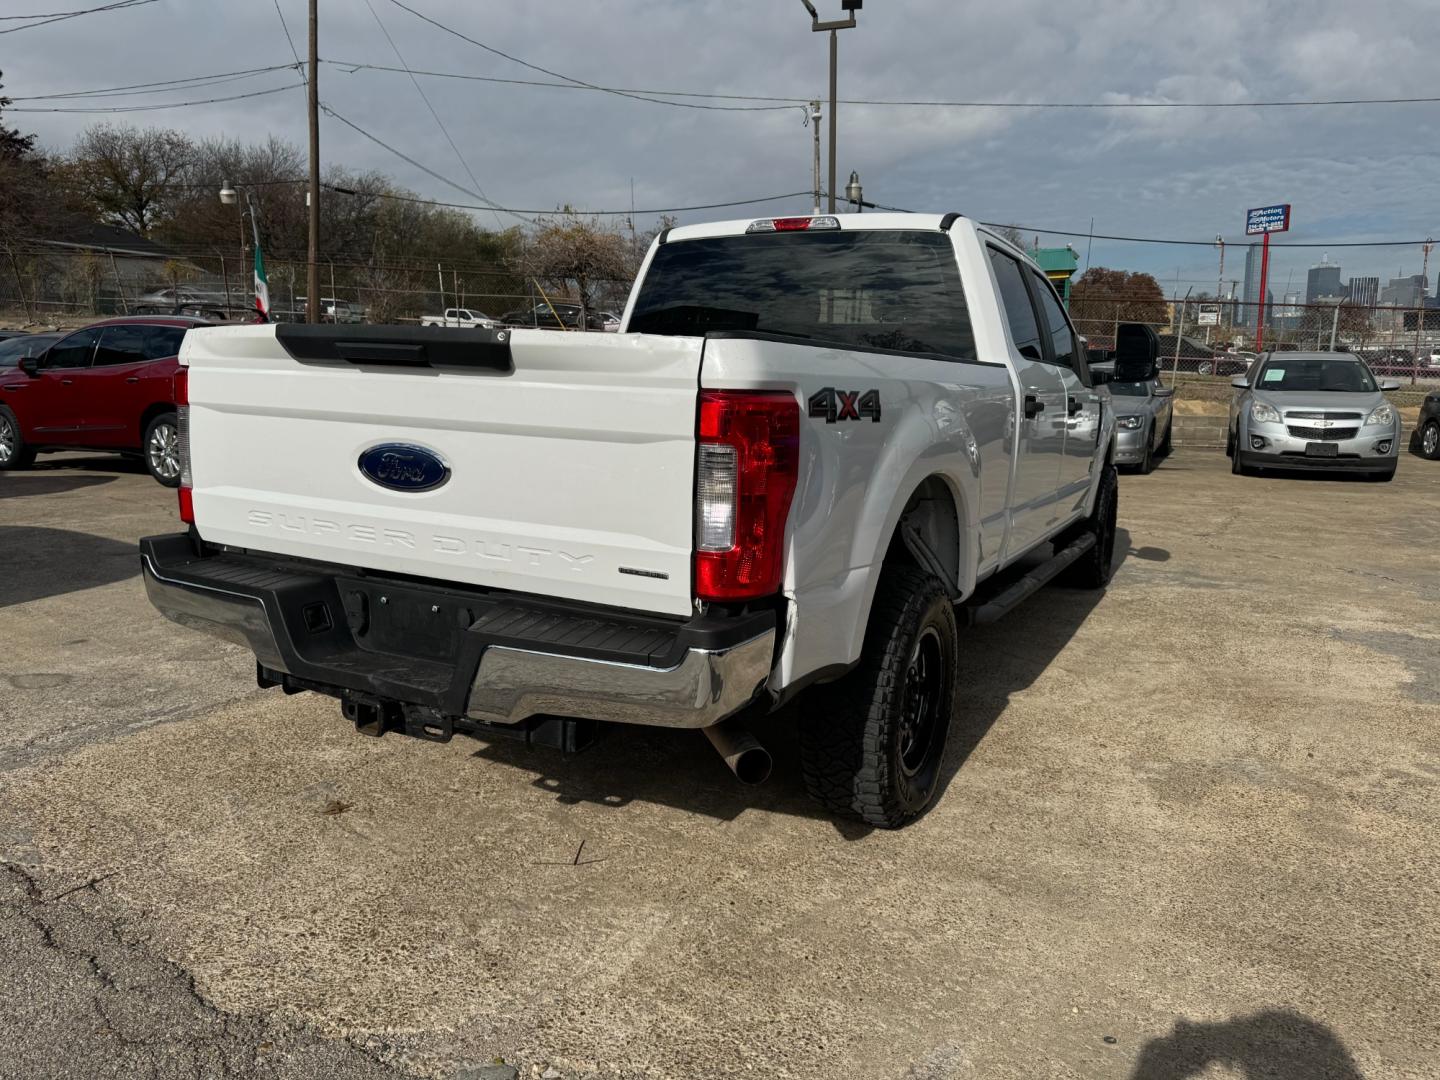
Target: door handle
(133,378)
(1033,406)
(67,382)
(1072,406)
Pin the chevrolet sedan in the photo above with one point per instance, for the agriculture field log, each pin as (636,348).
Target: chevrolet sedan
(1321,411)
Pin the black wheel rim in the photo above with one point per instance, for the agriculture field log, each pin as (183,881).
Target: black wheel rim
(920,717)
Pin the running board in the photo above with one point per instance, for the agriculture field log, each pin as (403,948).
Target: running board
(1002,604)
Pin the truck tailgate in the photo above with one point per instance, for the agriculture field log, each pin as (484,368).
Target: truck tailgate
(571,470)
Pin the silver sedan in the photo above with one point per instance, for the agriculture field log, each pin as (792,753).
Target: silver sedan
(1313,411)
(1143,416)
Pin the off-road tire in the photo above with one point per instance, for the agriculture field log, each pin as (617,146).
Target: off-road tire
(1092,570)
(852,731)
(14,454)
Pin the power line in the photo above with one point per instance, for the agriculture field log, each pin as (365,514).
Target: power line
(656,99)
(579,213)
(404,156)
(788,101)
(425,98)
(299,64)
(165,105)
(60,16)
(194,82)
(637,96)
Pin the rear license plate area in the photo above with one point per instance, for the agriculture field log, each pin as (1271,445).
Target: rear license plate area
(393,619)
(1322,449)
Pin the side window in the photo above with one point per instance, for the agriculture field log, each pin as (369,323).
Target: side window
(73,351)
(162,342)
(1062,338)
(121,345)
(1024,327)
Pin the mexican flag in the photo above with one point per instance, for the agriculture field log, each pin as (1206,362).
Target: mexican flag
(262,283)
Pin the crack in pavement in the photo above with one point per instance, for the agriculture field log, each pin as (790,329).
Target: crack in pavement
(70,964)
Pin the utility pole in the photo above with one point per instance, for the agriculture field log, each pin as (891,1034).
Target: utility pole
(815,128)
(831,27)
(312,277)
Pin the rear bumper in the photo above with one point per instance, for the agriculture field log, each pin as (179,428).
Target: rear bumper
(457,653)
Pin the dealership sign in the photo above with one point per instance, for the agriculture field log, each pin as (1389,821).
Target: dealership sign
(1268,219)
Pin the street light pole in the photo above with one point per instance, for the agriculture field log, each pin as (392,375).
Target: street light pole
(831,27)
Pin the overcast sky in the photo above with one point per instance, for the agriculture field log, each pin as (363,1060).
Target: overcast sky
(1352,173)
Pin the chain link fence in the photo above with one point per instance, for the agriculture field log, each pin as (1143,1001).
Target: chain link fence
(45,288)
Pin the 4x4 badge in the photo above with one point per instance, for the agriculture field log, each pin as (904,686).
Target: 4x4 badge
(833,405)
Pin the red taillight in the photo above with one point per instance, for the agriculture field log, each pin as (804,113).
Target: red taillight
(749,460)
(182,432)
(790,224)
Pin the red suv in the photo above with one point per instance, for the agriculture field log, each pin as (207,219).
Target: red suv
(109,386)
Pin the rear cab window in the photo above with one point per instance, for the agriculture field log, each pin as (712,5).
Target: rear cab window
(891,290)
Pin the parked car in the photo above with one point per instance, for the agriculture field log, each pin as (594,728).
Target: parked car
(110,386)
(331,310)
(1427,428)
(776,501)
(174,295)
(15,349)
(1144,413)
(7,334)
(1313,411)
(609,322)
(459,316)
(553,317)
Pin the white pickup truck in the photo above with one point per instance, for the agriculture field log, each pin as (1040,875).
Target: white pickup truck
(461,317)
(817,445)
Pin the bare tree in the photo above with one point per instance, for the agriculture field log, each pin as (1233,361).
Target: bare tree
(129,175)
(569,251)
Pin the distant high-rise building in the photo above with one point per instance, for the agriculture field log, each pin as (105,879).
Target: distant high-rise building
(1364,291)
(1250,295)
(1405,291)
(1323,282)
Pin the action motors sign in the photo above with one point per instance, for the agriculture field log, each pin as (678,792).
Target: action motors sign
(1267,219)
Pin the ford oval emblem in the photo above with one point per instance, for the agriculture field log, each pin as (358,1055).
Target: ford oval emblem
(402,467)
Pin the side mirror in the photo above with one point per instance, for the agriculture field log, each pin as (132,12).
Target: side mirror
(1389,384)
(1240,382)
(1136,343)
(1164,391)
(30,365)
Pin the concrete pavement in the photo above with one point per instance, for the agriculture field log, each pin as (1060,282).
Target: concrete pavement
(1189,825)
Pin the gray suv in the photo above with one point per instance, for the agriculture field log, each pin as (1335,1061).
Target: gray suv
(1313,411)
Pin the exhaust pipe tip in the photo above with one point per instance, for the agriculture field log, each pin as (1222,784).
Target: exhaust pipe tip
(741,751)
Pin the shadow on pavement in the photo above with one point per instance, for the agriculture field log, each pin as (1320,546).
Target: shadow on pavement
(19,485)
(1276,1044)
(680,769)
(42,562)
(83,461)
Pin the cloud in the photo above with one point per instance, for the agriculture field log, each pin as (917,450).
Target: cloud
(1166,172)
